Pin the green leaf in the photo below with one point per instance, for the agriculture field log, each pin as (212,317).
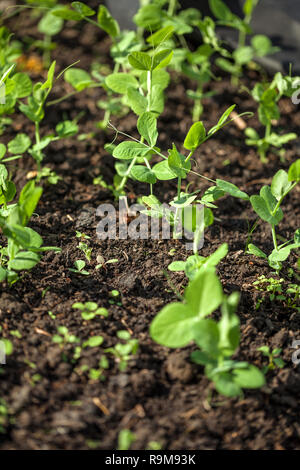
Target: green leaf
(280,255)
(220,10)
(280,184)
(47,85)
(78,78)
(24,260)
(50,24)
(261,208)
(2,151)
(149,16)
(176,266)
(251,377)
(157,99)
(7,195)
(120,82)
(172,327)
(195,136)
(214,259)
(136,101)
(254,250)
(66,129)
(243,55)
(19,144)
(163,172)
(161,59)
(151,201)
(177,163)
(269,198)
(93,342)
(294,171)
(160,36)
(129,149)
(262,45)
(222,120)
(23,84)
(140,60)
(29,198)
(83,9)
(206,336)
(3,177)
(143,174)
(226,386)
(231,189)
(107,22)
(147,127)
(34,240)
(204,294)
(66,13)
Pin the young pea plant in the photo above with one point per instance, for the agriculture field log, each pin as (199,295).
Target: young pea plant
(90,310)
(49,25)
(180,323)
(122,44)
(86,249)
(175,166)
(145,97)
(63,337)
(267,207)
(268,96)
(34,110)
(123,352)
(273,357)
(13,85)
(24,245)
(260,45)
(79,266)
(289,295)
(196,263)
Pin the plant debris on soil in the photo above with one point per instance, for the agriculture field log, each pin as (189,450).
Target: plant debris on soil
(161,396)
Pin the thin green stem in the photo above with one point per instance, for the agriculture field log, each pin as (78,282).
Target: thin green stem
(274,237)
(37,141)
(125,177)
(172,7)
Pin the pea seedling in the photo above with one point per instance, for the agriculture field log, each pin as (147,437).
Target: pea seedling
(177,324)
(273,357)
(268,111)
(267,207)
(90,310)
(243,54)
(196,264)
(35,111)
(79,266)
(63,337)
(24,244)
(123,352)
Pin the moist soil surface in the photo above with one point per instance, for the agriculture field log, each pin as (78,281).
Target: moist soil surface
(161,396)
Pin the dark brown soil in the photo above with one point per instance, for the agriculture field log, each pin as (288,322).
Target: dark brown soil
(161,396)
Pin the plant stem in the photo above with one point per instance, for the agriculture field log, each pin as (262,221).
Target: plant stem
(149,168)
(125,177)
(178,187)
(172,7)
(37,141)
(274,237)
(149,89)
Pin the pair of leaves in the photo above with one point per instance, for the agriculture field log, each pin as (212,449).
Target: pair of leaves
(174,325)
(195,263)
(265,205)
(143,60)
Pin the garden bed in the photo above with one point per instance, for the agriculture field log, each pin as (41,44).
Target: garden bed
(161,396)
